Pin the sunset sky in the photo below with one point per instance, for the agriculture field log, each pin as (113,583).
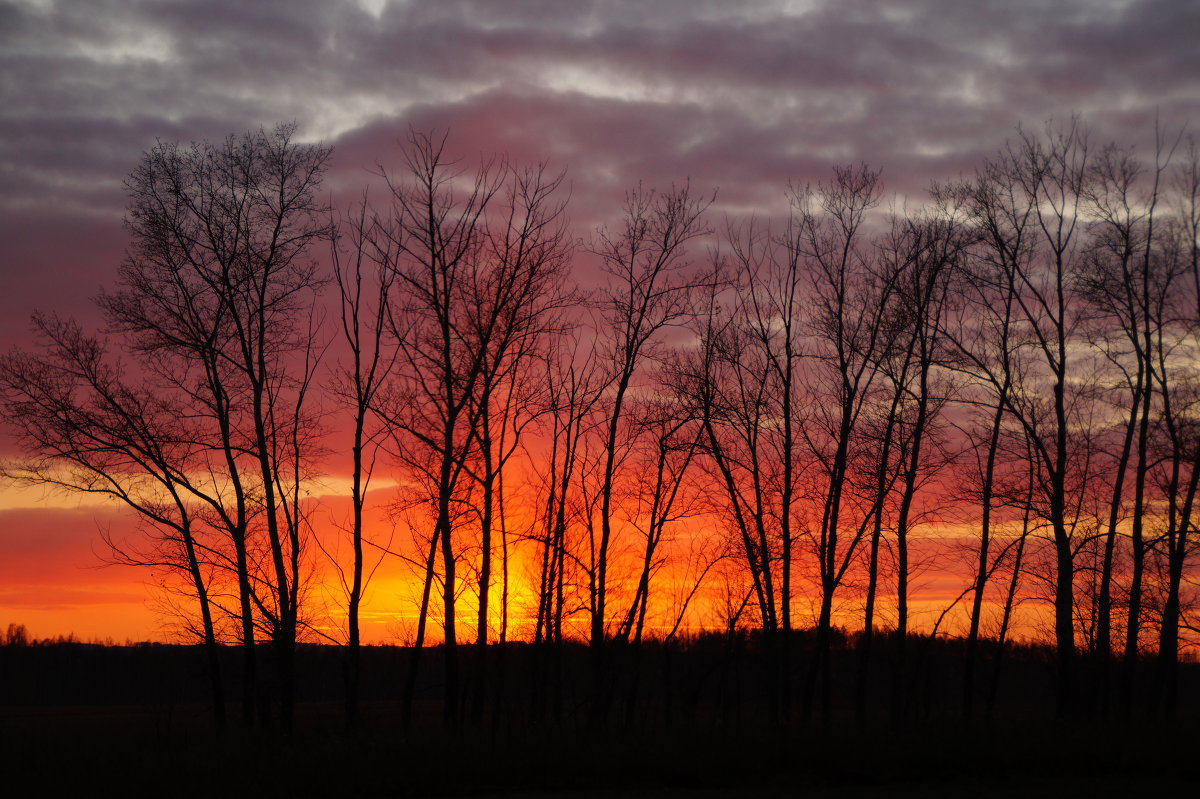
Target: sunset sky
(739,97)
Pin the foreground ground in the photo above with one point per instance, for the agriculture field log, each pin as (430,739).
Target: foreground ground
(148,751)
(697,721)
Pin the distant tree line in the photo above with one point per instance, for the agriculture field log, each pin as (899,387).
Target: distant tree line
(776,416)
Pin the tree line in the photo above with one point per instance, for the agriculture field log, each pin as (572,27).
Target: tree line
(772,413)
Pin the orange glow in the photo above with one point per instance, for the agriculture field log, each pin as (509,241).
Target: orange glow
(52,579)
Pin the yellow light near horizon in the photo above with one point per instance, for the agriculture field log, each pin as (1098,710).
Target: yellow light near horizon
(391,605)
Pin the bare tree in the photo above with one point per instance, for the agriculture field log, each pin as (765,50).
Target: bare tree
(984,345)
(85,427)
(520,307)
(1126,285)
(439,238)
(924,253)
(214,301)
(772,307)
(847,318)
(574,382)
(361,256)
(739,382)
(670,436)
(1027,204)
(650,279)
(474,295)
(1178,390)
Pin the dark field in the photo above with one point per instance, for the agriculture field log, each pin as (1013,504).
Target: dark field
(88,720)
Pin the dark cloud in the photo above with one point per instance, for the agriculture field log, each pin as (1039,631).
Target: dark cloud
(744,97)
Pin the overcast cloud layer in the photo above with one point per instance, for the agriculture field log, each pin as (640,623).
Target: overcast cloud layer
(741,96)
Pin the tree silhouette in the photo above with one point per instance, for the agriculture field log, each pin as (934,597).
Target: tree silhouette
(698,484)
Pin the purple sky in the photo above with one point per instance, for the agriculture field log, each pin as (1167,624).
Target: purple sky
(737,96)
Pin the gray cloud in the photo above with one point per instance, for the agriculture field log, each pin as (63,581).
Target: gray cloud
(741,96)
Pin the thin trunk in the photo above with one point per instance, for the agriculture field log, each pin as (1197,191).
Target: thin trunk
(1104,601)
(283,636)
(485,571)
(504,575)
(818,673)
(1133,618)
(1009,603)
(866,641)
(353,642)
(981,575)
(606,490)
(785,533)
(211,649)
(541,629)
(903,521)
(237,533)
(1166,676)
(450,642)
(1064,609)
(596,640)
(414,666)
